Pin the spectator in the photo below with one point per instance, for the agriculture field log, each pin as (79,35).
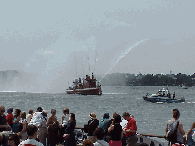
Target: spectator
(104,123)
(42,128)
(53,128)
(23,126)
(70,141)
(32,135)
(36,119)
(190,136)
(115,131)
(3,121)
(65,119)
(130,130)
(16,120)
(124,124)
(171,125)
(92,125)
(99,135)
(14,140)
(29,116)
(10,117)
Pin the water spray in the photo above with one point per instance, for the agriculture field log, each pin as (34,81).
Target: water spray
(121,57)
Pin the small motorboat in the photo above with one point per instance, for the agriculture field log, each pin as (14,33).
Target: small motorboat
(162,96)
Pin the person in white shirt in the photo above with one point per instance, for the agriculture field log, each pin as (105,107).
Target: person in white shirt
(32,135)
(99,135)
(29,116)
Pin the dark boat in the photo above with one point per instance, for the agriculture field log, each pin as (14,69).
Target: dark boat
(162,96)
(88,87)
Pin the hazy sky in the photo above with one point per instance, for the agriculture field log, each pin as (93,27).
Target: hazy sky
(56,39)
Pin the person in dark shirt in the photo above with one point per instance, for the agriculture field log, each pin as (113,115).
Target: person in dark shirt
(92,125)
(3,121)
(115,131)
(70,141)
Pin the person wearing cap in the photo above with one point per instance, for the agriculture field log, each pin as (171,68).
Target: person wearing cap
(104,123)
(10,116)
(172,124)
(92,125)
(130,130)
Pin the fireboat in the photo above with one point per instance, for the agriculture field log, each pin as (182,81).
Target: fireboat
(89,86)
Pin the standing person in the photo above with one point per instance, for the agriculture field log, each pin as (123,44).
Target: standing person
(173,95)
(123,123)
(29,116)
(24,126)
(70,141)
(104,122)
(65,119)
(190,135)
(53,127)
(130,130)
(3,121)
(10,116)
(32,135)
(99,135)
(172,124)
(92,125)
(42,128)
(115,131)
(16,120)
(35,120)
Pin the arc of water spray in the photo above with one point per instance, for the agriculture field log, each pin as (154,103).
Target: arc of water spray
(121,57)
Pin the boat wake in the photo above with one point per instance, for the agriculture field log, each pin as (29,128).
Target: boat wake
(114,93)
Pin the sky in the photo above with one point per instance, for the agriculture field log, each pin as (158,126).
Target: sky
(52,42)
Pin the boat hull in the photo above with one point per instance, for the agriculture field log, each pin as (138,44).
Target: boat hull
(163,100)
(86,91)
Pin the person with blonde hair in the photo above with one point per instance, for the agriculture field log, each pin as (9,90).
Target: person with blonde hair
(87,142)
(190,135)
(171,125)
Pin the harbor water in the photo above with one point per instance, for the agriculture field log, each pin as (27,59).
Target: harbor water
(151,117)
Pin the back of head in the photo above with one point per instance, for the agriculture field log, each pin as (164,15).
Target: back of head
(88,142)
(99,133)
(39,109)
(30,111)
(15,138)
(23,115)
(126,114)
(66,110)
(18,111)
(31,129)
(72,115)
(106,116)
(176,113)
(117,119)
